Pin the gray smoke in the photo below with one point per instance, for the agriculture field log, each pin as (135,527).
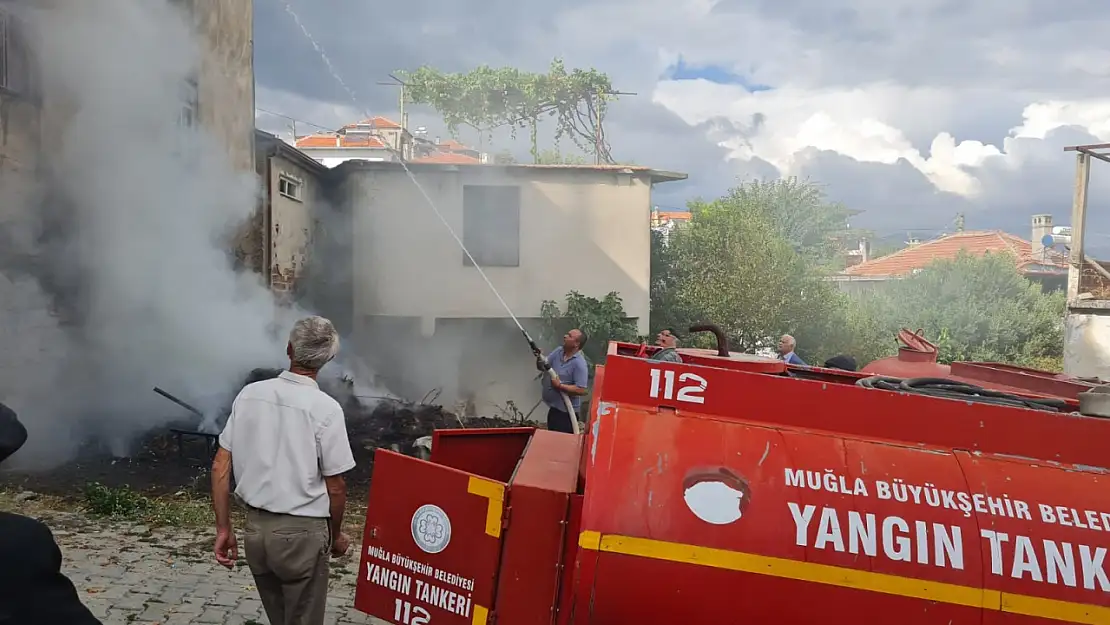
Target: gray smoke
(118,276)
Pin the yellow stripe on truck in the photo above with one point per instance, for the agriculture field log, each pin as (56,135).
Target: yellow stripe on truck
(846,578)
(495,492)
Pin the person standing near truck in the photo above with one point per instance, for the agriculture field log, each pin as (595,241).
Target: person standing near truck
(668,340)
(569,365)
(786,350)
(286,441)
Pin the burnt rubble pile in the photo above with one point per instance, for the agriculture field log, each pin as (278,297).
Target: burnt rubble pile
(398,424)
(390,423)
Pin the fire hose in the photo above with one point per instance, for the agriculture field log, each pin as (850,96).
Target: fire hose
(545,366)
(952,389)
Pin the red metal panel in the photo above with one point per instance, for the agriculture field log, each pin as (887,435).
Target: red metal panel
(720,521)
(489,452)
(431,544)
(1044,531)
(531,559)
(857,411)
(530,562)
(570,574)
(995,375)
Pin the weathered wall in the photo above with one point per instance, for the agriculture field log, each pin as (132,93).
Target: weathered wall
(226,80)
(225,86)
(291,223)
(1087,344)
(583,231)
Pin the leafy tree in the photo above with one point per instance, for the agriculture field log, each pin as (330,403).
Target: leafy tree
(487,98)
(798,211)
(732,265)
(555,157)
(602,320)
(976,308)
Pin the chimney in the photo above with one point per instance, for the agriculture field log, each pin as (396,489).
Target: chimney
(864,250)
(1042,226)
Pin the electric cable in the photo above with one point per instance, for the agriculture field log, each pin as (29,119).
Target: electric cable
(541,362)
(963,391)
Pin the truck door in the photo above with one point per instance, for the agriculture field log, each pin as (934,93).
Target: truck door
(432,543)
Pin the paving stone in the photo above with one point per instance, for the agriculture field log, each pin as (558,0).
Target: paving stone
(133,575)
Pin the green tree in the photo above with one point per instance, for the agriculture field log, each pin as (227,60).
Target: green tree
(976,308)
(487,98)
(602,320)
(798,211)
(556,157)
(733,266)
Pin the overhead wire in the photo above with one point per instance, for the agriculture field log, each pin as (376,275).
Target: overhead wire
(435,209)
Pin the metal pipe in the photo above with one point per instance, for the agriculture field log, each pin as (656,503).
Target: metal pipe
(722,340)
(178,402)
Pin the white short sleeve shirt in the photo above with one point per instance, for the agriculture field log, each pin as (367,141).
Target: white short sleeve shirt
(285,435)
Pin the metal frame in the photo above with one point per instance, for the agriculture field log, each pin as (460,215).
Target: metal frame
(1077,258)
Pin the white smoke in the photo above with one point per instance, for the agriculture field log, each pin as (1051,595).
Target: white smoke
(146,210)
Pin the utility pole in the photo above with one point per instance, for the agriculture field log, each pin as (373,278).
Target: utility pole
(397,82)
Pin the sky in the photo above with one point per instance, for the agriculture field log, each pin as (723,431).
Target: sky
(912,112)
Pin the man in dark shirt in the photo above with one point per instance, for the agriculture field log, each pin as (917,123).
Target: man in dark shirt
(33,590)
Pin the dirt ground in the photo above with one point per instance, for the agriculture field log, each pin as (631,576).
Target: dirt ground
(160,468)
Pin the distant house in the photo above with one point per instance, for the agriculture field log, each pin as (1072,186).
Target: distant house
(664,222)
(1034,260)
(384,140)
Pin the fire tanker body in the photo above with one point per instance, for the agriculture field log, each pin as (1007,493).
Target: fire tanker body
(737,489)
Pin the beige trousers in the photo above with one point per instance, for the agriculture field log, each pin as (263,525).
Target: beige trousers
(288,556)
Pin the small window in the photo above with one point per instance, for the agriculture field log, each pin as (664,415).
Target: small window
(290,188)
(190,104)
(491,225)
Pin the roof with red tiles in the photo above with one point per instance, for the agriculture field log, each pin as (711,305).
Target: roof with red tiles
(659,218)
(377,122)
(335,140)
(446,158)
(977,243)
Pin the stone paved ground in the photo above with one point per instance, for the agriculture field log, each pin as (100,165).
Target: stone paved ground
(128,574)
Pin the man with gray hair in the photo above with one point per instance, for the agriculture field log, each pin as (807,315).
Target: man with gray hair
(786,350)
(286,441)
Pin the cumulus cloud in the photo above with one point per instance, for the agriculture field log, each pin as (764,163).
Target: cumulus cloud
(911,111)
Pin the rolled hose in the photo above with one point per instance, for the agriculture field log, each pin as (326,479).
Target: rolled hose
(952,389)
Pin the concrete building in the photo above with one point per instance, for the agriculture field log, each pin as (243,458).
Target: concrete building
(382,139)
(1035,261)
(291,200)
(373,139)
(537,231)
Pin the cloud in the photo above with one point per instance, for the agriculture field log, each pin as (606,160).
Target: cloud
(911,111)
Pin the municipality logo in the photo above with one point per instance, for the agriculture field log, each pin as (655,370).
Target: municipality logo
(431,529)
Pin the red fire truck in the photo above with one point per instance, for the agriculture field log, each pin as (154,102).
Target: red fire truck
(737,489)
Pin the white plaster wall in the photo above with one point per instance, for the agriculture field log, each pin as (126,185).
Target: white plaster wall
(1087,345)
(578,231)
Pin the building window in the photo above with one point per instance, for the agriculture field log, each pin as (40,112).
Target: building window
(491,225)
(290,187)
(190,104)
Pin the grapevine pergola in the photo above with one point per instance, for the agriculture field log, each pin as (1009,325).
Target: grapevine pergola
(488,98)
